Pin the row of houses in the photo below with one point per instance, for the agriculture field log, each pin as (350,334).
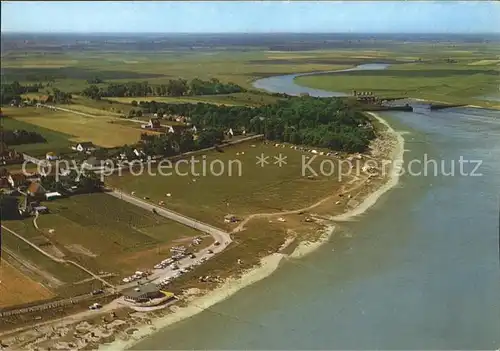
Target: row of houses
(154,124)
(83,147)
(181,119)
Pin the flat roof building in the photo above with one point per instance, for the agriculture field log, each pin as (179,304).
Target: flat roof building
(143,293)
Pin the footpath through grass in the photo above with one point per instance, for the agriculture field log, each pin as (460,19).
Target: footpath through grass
(105,233)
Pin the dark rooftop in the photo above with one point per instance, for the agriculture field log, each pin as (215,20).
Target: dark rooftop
(143,289)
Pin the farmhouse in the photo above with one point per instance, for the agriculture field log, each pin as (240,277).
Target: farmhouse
(138,152)
(176,129)
(84,146)
(154,123)
(4,183)
(16,180)
(143,293)
(51,156)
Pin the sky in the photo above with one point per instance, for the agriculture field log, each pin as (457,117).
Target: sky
(252,17)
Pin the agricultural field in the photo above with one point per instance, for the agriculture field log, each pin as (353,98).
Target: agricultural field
(419,68)
(56,141)
(75,127)
(16,288)
(256,189)
(107,234)
(52,274)
(99,107)
(72,69)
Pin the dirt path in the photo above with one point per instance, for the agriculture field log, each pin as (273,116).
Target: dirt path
(23,264)
(241,226)
(56,259)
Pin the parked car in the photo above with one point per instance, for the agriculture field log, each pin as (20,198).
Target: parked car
(97,292)
(95,306)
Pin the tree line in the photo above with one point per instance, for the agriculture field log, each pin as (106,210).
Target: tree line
(320,122)
(19,137)
(11,92)
(171,144)
(174,87)
(86,182)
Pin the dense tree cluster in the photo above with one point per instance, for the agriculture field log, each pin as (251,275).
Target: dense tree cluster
(321,122)
(95,80)
(212,87)
(12,92)
(172,144)
(18,137)
(86,182)
(60,97)
(174,87)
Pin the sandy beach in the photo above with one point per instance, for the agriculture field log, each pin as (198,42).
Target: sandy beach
(267,266)
(393,179)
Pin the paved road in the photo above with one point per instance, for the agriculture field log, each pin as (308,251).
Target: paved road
(218,234)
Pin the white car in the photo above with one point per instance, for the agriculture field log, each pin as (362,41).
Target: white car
(95,306)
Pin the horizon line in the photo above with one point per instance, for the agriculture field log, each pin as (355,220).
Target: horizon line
(249,33)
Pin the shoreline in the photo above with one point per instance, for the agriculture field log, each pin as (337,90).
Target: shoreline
(393,178)
(197,301)
(269,264)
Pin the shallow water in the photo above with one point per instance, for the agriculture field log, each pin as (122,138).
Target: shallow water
(419,270)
